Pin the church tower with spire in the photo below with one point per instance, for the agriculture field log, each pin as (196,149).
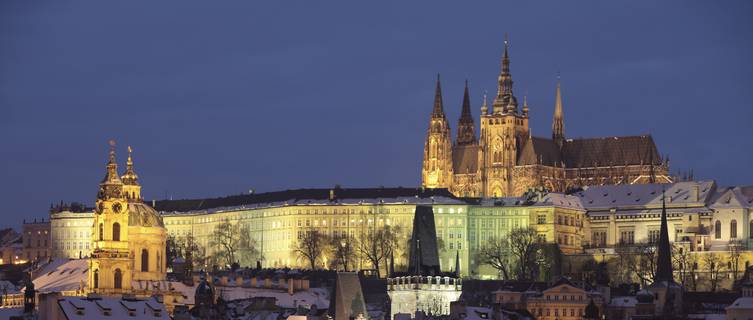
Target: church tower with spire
(502,131)
(111,265)
(128,236)
(466,129)
(558,121)
(437,164)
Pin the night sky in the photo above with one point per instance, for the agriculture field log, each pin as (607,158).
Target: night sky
(219,98)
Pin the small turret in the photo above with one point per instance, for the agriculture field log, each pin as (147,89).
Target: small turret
(558,121)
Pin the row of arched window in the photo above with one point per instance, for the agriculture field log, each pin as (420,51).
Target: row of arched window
(115,232)
(117,279)
(732,229)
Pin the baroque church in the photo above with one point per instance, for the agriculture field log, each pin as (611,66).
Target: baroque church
(128,237)
(507,160)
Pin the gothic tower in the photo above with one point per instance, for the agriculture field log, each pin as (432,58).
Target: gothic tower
(437,165)
(558,121)
(111,264)
(501,133)
(466,129)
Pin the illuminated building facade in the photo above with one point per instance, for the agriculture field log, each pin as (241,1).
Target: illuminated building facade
(36,240)
(71,231)
(128,237)
(507,160)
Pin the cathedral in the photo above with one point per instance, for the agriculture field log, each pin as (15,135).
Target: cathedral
(128,236)
(507,160)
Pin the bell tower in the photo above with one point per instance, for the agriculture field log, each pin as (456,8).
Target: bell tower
(436,169)
(502,131)
(111,265)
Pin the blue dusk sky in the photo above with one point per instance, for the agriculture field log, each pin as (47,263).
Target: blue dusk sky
(219,97)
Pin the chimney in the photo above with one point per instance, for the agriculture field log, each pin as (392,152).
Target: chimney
(223,281)
(267,283)
(290,286)
(696,193)
(253,282)
(238,281)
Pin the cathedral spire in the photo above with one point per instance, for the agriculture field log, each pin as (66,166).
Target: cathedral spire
(505,102)
(438,111)
(484,106)
(466,130)
(558,122)
(525,105)
(664,259)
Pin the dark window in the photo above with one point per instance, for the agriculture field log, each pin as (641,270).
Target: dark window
(733,229)
(101,232)
(116,231)
(118,279)
(144,260)
(718,229)
(96,279)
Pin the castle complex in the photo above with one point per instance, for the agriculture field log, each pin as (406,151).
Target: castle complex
(507,160)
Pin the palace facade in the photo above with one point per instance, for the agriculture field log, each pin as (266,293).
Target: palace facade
(507,160)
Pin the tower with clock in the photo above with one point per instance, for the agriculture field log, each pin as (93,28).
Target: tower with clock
(111,263)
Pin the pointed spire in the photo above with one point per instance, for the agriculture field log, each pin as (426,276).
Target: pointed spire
(664,259)
(525,105)
(558,121)
(130,177)
(505,100)
(466,131)
(438,111)
(112,166)
(484,106)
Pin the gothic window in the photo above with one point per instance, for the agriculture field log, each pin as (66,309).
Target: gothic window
(144,260)
(733,229)
(718,229)
(101,232)
(96,279)
(116,231)
(118,279)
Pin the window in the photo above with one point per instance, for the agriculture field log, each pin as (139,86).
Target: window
(541,219)
(115,231)
(627,237)
(718,229)
(101,232)
(96,279)
(118,278)
(144,260)
(599,238)
(750,229)
(653,236)
(733,229)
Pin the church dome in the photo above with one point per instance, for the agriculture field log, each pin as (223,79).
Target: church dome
(142,215)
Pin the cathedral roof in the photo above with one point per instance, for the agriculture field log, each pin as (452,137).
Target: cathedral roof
(539,150)
(465,159)
(610,151)
(142,215)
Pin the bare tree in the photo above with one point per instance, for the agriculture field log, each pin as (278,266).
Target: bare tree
(496,253)
(310,245)
(224,240)
(714,268)
(645,268)
(682,262)
(378,244)
(524,247)
(342,251)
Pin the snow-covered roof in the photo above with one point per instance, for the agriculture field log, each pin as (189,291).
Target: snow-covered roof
(83,308)
(62,275)
(745,303)
(312,296)
(643,195)
(623,302)
(733,197)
